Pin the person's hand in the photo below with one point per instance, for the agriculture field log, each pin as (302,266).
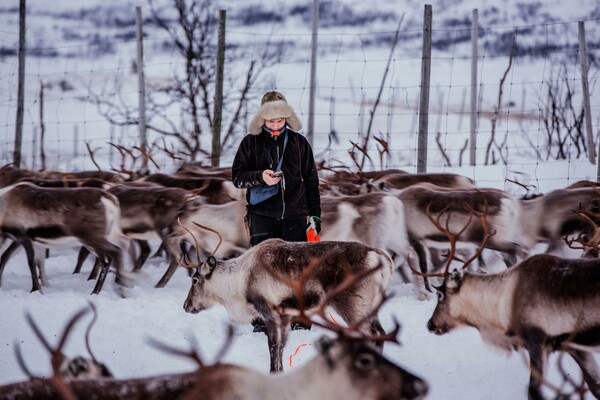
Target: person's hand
(315,222)
(269,179)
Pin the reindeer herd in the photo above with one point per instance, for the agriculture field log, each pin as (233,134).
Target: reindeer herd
(376,225)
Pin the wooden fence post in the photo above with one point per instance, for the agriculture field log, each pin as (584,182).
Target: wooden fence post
(313,74)
(586,96)
(141,86)
(424,96)
(218,105)
(474,55)
(20,88)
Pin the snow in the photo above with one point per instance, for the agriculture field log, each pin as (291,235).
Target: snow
(456,366)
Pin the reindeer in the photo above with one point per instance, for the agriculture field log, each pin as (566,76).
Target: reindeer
(404,180)
(425,204)
(216,190)
(227,219)
(145,212)
(9,174)
(543,304)
(375,219)
(345,367)
(550,217)
(252,285)
(65,369)
(350,183)
(63,216)
(193,169)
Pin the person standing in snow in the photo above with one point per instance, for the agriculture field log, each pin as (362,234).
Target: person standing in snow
(279,161)
(273,140)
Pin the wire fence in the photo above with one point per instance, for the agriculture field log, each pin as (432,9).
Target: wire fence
(81,98)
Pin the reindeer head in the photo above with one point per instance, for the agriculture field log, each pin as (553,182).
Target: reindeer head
(354,356)
(368,371)
(441,321)
(196,300)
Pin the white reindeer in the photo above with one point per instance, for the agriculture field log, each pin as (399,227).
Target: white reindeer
(256,284)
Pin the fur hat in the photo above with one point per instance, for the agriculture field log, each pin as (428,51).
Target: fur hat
(274,105)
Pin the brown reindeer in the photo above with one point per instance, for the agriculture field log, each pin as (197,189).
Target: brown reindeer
(227,219)
(64,216)
(215,190)
(145,212)
(403,181)
(191,169)
(251,285)
(454,209)
(9,174)
(548,218)
(346,367)
(543,304)
(64,369)
(346,182)
(375,219)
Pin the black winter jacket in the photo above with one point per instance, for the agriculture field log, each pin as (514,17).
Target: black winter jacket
(298,194)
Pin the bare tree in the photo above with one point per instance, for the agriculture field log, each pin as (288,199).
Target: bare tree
(492,141)
(562,121)
(180,108)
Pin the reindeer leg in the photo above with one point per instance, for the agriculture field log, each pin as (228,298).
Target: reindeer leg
(160,251)
(589,368)
(352,310)
(28,246)
(510,257)
(420,250)
(95,270)
(278,327)
(168,274)
(102,277)
(537,361)
(144,253)
(277,332)
(83,253)
(6,256)
(40,263)
(175,252)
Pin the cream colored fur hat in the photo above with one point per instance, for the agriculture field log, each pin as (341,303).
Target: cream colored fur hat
(274,105)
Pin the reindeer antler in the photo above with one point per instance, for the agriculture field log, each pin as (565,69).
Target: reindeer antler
(188,262)
(89,329)
(57,357)
(589,246)
(350,279)
(454,237)
(194,353)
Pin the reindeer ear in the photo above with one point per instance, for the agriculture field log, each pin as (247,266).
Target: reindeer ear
(212,261)
(207,267)
(454,280)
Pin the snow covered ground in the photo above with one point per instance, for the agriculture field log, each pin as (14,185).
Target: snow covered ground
(456,366)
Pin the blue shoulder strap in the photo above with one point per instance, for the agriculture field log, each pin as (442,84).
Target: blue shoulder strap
(285,140)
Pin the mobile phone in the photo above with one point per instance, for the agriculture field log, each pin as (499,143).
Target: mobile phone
(277,174)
